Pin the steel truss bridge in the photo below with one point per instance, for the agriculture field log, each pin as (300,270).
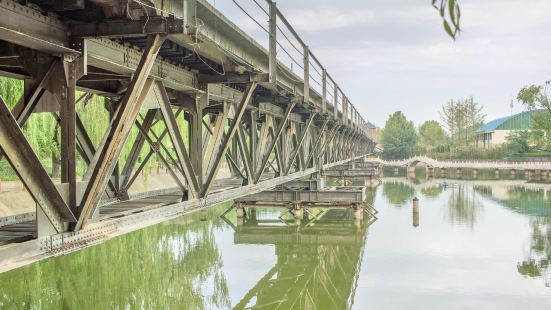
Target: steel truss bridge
(168,62)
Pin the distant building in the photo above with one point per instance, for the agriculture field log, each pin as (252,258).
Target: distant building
(373,132)
(495,133)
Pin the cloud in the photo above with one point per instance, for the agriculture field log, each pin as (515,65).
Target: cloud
(328,18)
(395,55)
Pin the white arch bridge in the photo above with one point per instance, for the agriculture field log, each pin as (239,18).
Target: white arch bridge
(464,164)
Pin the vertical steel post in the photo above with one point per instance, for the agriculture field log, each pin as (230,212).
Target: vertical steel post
(273,43)
(306,74)
(65,94)
(324,91)
(335,101)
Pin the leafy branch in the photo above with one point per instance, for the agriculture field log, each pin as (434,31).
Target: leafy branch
(451,15)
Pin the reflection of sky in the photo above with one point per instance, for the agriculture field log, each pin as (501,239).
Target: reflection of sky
(443,266)
(244,265)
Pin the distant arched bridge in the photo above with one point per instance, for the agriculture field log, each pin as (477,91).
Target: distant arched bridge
(466,164)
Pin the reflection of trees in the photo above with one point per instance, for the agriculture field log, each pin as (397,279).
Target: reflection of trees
(528,201)
(538,262)
(161,267)
(433,191)
(463,205)
(534,203)
(520,199)
(398,193)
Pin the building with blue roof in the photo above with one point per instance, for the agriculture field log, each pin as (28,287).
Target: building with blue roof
(495,133)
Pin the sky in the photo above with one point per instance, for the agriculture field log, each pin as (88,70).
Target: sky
(393,55)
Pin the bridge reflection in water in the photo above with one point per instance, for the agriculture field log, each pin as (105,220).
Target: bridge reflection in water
(318,261)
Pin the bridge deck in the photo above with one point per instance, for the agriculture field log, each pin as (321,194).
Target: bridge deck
(19,232)
(23,227)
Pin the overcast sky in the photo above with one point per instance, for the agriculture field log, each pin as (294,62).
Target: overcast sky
(390,55)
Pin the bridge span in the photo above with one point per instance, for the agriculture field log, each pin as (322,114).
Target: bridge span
(220,97)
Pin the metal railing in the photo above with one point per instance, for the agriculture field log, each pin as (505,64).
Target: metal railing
(285,41)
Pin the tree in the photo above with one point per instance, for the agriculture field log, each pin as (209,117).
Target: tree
(431,135)
(536,98)
(399,137)
(518,142)
(462,118)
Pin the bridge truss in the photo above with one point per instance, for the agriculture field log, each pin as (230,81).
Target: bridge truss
(222,97)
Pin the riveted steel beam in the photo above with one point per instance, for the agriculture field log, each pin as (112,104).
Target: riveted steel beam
(213,170)
(300,143)
(178,143)
(119,130)
(124,28)
(31,172)
(270,149)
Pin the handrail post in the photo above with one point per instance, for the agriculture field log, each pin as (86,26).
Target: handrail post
(324,91)
(306,92)
(335,101)
(344,108)
(273,43)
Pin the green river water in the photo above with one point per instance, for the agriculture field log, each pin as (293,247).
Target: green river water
(473,245)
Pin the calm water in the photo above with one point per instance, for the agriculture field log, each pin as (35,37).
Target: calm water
(474,245)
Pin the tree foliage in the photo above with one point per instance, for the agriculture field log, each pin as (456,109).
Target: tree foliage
(536,98)
(431,135)
(518,142)
(462,118)
(399,138)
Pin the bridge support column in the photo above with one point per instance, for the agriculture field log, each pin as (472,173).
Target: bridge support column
(252,214)
(513,173)
(240,211)
(358,212)
(298,214)
(430,172)
(396,171)
(443,172)
(320,181)
(459,173)
(528,174)
(497,174)
(410,171)
(475,173)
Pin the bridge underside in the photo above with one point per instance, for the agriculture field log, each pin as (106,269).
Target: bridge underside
(194,98)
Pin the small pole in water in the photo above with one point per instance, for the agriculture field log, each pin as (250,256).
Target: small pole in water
(203,215)
(415,212)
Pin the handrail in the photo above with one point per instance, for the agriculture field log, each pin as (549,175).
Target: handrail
(349,113)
